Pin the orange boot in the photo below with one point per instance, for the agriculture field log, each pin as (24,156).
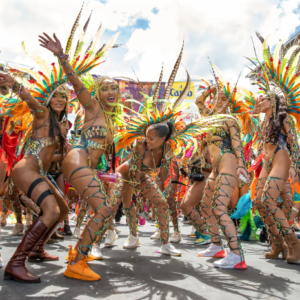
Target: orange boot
(72,254)
(81,271)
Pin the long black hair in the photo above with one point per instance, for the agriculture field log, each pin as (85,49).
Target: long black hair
(54,129)
(276,124)
(165,129)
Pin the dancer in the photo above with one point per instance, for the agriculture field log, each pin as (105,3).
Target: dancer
(227,157)
(281,150)
(29,174)
(96,139)
(157,133)
(197,165)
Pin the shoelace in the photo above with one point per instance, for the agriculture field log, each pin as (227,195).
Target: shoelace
(83,263)
(170,247)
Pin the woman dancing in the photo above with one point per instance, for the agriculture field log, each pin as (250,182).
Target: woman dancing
(29,174)
(281,150)
(96,138)
(227,157)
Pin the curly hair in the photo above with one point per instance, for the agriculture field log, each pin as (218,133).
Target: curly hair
(276,124)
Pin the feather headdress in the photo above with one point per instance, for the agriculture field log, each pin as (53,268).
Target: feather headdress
(78,124)
(236,102)
(185,135)
(47,80)
(279,74)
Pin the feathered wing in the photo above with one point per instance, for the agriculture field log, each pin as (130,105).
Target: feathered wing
(190,132)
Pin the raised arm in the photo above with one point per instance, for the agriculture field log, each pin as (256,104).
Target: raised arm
(236,142)
(55,47)
(290,130)
(204,111)
(40,111)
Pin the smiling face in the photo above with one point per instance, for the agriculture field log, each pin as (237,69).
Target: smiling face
(222,102)
(153,140)
(265,104)
(58,100)
(108,92)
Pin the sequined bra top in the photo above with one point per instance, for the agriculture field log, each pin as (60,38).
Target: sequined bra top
(94,132)
(224,144)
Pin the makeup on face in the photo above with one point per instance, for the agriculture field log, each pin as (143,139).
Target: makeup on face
(153,140)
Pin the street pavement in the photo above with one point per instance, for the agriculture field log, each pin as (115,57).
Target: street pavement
(143,273)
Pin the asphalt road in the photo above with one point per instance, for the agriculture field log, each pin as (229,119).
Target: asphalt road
(143,273)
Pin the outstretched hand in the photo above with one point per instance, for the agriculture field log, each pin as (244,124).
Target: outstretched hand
(256,109)
(52,45)
(6,80)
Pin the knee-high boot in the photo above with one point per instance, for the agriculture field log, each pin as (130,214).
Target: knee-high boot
(38,254)
(15,269)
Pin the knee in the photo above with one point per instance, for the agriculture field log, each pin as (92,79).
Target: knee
(185,207)
(105,213)
(52,212)
(64,210)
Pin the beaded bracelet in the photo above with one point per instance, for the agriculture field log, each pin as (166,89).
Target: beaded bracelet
(82,89)
(61,55)
(71,74)
(22,93)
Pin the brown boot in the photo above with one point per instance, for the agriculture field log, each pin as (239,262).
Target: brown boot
(38,254)
(15,269)
(278,246)
(293,244)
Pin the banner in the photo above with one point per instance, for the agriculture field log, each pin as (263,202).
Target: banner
(177,89)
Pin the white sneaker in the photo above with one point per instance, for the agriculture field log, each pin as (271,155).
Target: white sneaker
(169,250)
(175,237)
(17,230)
(77,233)
(96,252)
(111,236)
(213,251)
(231,261)
(155,235)
(132,242)
(117,230)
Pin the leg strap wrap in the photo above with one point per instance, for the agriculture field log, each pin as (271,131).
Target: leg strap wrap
(43,196)
(33,185)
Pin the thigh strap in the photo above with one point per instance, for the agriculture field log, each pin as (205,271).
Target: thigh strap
(43,196)
(33,185)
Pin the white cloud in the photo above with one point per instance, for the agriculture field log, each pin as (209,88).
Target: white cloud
(219,29)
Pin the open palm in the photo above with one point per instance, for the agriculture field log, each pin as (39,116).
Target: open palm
(52,45)
(6,80)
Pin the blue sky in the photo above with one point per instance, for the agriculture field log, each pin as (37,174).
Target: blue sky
(152,32)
